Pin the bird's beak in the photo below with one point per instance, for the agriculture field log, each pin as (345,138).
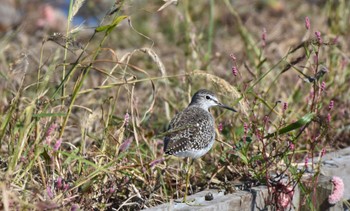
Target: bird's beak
(227,107)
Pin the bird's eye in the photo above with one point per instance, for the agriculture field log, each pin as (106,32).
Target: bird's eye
(207,97)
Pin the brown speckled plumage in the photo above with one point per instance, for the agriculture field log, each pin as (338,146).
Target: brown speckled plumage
(191,132)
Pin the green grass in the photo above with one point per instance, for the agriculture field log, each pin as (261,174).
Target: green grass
(83,115)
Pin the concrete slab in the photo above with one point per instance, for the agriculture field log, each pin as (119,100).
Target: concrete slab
(240,200)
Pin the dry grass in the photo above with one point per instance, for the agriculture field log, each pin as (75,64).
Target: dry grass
(82,114)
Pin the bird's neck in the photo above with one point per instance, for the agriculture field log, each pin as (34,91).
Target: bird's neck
(199,105)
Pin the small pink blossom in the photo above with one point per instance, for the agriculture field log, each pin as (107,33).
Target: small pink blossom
(49,192)
(234,70)
(323,86)
(49,133)
(323,152)
(246,127)
(266,119)
(126,144)
(291,146)
(331,105)
(338,190)
(318,36)
(74,207)
(329,117)
(57,144)
(283,195)
(220,127)
(285,106)
(307,23)
(111,190)
(286,196)
(59,183)
(51,129)
(234,66)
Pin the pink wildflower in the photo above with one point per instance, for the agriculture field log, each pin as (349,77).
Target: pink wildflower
(75,207)
(338,190)
(307,23)
(234,66)
(126,119)
(331,105)
(49,133)
(318,36)
(59,183)
(234,70)
(323,86)
(111,190)
(51,129)
(329,117)
(220,127)
(57,144)
(285,106)
(49,192)
(246,127)
(286,196)
(323,152)
(291,146)
(126,144)
(266,119)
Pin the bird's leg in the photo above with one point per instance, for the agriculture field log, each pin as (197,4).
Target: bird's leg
(187,180)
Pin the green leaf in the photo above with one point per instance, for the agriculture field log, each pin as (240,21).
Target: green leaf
(243,143)
(102,28)
(118,19)
(108,28)
(49,114)
(243,157)
(298,124)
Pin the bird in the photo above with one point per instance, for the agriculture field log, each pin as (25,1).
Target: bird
(191,133)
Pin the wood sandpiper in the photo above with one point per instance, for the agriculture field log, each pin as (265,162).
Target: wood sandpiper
(191,133)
